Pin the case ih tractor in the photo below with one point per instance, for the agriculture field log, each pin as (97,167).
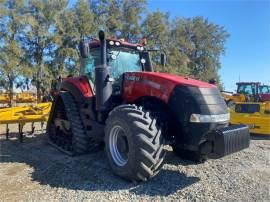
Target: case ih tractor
(118,100)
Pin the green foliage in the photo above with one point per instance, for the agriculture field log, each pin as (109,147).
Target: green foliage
(12,60)
(83,20)
(107,15)
(39,38)
(131,16)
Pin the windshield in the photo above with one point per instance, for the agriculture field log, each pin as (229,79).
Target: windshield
(123,60)
(264,89)
(247,89)
(119,59)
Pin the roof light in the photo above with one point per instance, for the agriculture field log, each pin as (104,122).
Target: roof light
(140,48)
(143,61)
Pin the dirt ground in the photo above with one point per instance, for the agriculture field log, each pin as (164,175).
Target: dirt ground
(35,171)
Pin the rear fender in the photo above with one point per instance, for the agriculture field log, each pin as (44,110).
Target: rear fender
(82,92)
(79,87)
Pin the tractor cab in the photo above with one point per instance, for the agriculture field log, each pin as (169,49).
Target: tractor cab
(249,89)
(121,57)
(254,91)
(264,89)
(264,93)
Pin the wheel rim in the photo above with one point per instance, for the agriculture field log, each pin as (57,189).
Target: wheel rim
(118,145)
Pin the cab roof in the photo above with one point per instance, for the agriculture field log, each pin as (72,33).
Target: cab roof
(96,43)
(239,83)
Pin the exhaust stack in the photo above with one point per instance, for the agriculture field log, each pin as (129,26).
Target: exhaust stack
(102,78)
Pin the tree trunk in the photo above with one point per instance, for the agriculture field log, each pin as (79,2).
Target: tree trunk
(10,93)
(38,91)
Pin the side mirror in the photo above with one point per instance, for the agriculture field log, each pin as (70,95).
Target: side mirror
(163,59)
(84,49)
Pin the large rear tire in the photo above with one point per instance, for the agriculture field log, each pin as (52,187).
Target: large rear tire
(134,143)
(65,129)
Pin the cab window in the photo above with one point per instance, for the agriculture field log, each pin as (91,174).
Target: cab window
(264,89)
(88,64)
(247,89)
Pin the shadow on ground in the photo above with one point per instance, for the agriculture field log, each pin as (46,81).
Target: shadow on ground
(89,172)
(254,136)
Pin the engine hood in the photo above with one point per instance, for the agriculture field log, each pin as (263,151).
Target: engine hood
(175,79)
(155,84)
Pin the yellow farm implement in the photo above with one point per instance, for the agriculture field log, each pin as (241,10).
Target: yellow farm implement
(255,115)
(25,98)
(18,98)
(24,114)
(4,98)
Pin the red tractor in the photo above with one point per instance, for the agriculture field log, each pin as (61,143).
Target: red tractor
(264,93)
(118,100)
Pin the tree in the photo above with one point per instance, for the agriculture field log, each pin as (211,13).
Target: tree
(108,15)
(72,25)
(202,43)
(12,60)
(156,29)
(84,19)
(42,37)
(37,39)
(132,11)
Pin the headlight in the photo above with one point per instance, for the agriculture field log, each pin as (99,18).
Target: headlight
(111,43)
(117,43)
(201,118)
(140,48)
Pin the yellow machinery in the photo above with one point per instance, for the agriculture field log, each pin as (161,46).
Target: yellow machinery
(247,92)
(255,115)
(4,98)
(24,114)
(18,98)
(231,98)
(25,98)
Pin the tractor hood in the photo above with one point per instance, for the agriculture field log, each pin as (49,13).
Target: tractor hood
(175,79)
(159,85)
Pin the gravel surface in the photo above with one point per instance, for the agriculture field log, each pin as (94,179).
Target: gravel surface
(35,171)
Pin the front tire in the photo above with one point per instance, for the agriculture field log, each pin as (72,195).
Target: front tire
(134,143)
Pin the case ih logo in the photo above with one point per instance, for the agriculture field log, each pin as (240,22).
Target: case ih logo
(143,81)
(132,78)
